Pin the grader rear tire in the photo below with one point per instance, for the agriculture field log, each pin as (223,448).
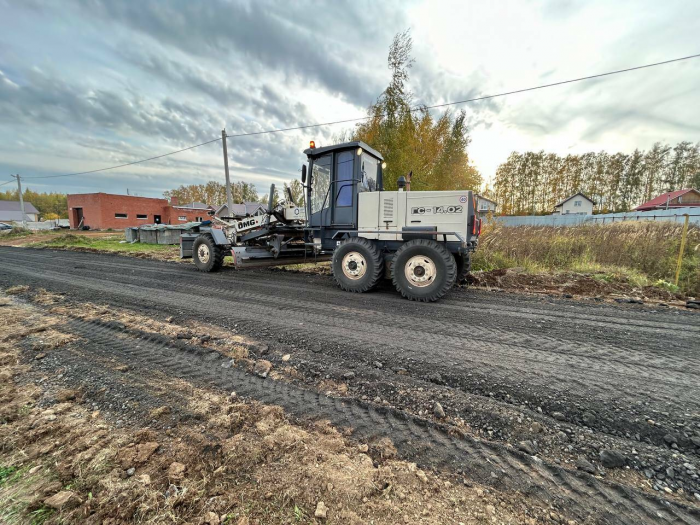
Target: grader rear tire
(357,265)
(423,270)
(464,267)
(208,256)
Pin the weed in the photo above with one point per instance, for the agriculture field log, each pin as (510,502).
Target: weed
(40,515)
(6,474)
(17,232)
(666,285)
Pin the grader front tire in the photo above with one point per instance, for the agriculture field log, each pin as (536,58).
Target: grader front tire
(208,256)
(357,265)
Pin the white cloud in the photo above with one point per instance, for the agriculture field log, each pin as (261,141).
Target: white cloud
(91,84)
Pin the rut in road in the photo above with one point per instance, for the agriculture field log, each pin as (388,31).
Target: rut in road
(576,494)
(372,329)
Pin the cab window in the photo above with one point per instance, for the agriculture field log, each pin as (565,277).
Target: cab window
(321,180)
(343,170)
(368,173)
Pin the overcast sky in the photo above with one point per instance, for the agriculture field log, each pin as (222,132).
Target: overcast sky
(94,83)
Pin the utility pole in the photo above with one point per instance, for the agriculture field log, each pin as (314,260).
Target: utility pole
(21,200)
(229,197)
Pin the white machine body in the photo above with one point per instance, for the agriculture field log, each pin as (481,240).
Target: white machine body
(382,215)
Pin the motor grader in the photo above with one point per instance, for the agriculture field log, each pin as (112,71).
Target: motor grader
(421,240)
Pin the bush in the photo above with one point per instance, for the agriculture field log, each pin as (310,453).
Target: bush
(648,248)
(17,231)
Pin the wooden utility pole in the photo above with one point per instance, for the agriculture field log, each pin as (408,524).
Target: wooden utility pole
(21,200)
(229,197)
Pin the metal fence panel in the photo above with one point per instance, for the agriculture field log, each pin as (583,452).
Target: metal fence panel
(674,215)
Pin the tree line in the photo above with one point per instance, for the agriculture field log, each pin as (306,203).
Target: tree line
(214,193)
(50,205)
(534,182)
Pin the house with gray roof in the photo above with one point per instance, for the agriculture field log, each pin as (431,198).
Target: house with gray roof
(11,211)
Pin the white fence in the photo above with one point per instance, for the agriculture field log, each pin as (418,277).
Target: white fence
(675,215)
(43,225)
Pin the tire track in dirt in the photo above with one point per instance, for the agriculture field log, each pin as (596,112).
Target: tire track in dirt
(488,303)
(588,378)
(577,494)
(637,365)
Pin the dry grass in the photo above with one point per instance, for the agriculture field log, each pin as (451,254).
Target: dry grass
(644,252)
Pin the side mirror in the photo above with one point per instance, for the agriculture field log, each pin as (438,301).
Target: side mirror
(303,173)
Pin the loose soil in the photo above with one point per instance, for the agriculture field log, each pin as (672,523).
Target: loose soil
(584,408)
(91,439)
(599,286)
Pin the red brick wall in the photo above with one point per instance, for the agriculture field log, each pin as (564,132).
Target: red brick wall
(174,215)
(100,209)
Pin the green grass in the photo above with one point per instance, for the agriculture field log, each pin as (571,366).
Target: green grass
(109,244)
(16,233)
(7,475)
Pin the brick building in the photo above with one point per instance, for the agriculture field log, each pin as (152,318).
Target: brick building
(101,211)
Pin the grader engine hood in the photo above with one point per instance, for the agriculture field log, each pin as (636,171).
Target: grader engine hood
(447,212)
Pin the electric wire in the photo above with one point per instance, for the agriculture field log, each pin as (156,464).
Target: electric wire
(358,119)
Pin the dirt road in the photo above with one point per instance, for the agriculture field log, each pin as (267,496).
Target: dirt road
(591,408)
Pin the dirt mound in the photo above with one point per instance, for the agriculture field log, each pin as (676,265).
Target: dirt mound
(581,284)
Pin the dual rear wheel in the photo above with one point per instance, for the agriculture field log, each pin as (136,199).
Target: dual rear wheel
(422,269)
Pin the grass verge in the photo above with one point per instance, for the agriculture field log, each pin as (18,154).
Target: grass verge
(110,244)
(642,254)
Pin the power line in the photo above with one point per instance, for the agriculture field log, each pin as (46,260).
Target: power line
(126,164)
(358,119)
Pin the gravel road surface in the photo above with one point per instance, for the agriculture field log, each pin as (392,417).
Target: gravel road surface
(591,407)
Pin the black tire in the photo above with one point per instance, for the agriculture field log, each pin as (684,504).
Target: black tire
(358,265)
(208,256)
(439,270)
(464,267)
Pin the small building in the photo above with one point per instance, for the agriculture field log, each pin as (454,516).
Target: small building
(11,211)
(672,199)
(484,206)
(184,212)
(577,204)
(102,211)
(246,209)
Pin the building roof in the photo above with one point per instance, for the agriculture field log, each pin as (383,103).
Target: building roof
(194,205)
(12,210)
(16,206)
(662,199)
(315,152)
(486,199)
(574,195)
